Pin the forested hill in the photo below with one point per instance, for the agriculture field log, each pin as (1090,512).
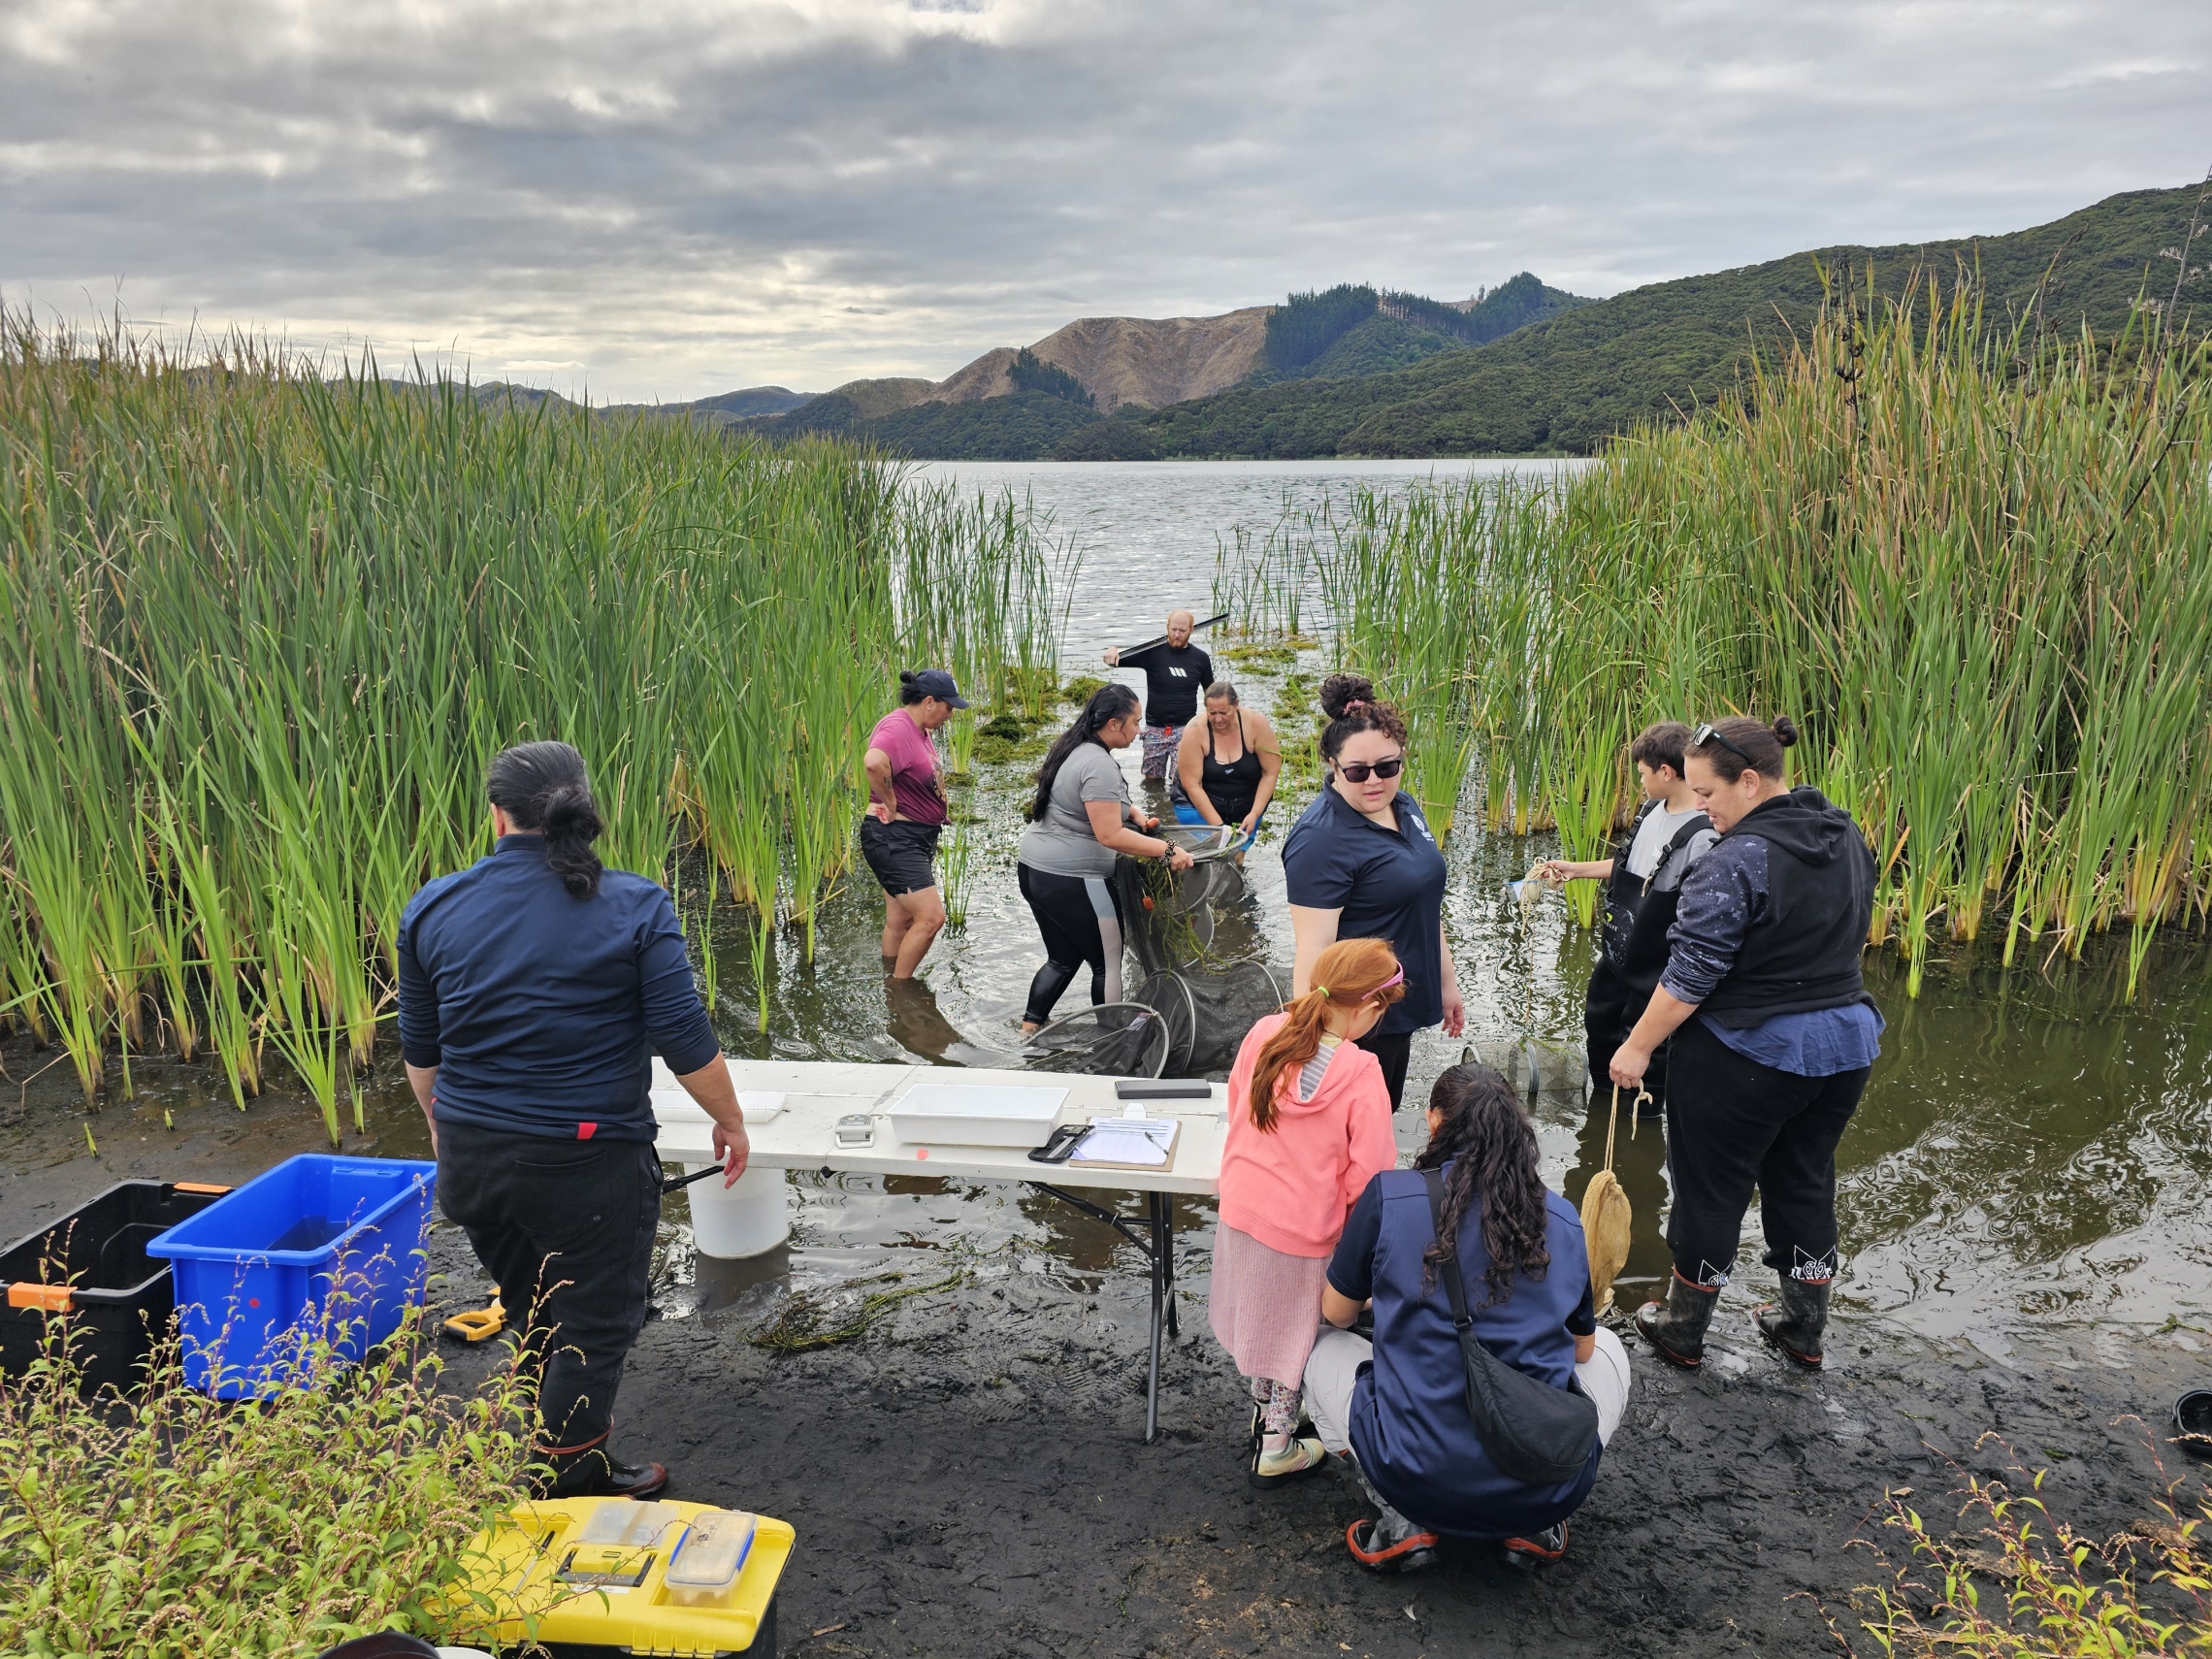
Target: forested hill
(1566,384)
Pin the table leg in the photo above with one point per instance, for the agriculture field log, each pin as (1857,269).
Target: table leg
(1166,1246)
(1162,1309)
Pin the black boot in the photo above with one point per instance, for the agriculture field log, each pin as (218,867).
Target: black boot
(1676,1328)
(1794,1324)
(586,1471)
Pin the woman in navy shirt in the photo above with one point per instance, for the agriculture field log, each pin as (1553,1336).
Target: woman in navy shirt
(1360,863)
(1396,1409)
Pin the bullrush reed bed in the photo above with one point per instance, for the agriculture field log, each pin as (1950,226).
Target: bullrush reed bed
(260,630)
(1972,562)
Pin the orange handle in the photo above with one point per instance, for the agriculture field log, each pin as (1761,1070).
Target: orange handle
(199,1186)
(52,1299)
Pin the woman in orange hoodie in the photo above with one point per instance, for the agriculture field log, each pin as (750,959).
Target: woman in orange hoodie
(1309,1127)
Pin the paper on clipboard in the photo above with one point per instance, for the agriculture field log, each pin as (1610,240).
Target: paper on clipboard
(1129,1143)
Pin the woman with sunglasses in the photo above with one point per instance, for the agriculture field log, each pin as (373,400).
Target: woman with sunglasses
(1361,863)
(1773,1035)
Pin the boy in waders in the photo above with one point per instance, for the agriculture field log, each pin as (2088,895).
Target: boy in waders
(1643,880)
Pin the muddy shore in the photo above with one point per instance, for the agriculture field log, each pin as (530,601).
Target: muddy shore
(969,1479)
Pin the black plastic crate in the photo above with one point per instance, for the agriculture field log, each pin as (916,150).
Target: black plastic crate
(91,1267)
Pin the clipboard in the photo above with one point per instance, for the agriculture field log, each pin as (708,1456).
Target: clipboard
(1155,1126)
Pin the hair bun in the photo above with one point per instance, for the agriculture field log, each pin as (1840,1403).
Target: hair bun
(1339,692)
(906,677)
(1785,731)
(566,808)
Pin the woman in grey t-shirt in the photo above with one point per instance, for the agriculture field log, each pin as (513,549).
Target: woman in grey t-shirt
(1080,820)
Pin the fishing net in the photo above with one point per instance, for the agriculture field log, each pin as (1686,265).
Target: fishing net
(1199,958)
(1532,1066)
(1115,1040)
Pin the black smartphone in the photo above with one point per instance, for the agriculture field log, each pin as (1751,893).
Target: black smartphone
(1062,1144)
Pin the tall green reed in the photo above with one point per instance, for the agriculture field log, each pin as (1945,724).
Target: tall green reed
(260,631)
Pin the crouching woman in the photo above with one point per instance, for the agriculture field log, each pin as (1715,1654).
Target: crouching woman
(1397,1408)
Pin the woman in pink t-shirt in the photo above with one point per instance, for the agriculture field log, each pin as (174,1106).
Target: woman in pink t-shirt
(906,809)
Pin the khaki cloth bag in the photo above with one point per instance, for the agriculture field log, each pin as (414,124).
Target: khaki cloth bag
(1608,1220)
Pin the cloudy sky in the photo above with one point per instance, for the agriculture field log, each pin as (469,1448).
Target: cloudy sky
(663,199)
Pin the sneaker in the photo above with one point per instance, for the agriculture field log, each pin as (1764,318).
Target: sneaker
(1533,1551)
(1372,1547)
(1296,1461)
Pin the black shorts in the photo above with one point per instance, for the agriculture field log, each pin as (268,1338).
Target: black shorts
(902,855)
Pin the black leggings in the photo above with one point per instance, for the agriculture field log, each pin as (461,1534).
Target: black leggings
(1081,920)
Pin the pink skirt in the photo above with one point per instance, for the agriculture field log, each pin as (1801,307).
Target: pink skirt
(1266,1306)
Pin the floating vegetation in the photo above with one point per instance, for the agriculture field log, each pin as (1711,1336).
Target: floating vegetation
(798,1326)
(1973,564)
(260,632)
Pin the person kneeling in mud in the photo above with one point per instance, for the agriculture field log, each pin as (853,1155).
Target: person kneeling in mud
(1402,1421)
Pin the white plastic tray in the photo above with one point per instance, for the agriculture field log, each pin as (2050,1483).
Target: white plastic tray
(976,1115)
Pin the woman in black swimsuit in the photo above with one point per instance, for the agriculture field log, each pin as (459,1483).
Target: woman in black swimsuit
(1226,765)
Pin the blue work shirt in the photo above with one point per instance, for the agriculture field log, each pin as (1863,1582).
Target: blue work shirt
(1388,883)
(1409,1421)
(541,1011)
(1818,1043)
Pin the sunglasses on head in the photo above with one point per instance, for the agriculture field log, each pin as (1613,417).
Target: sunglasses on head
(1359,771)
(1710,733)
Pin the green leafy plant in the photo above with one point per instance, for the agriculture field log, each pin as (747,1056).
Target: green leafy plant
(168,1525)
(2029,1586)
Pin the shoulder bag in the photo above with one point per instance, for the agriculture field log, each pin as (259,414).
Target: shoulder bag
(1536,1434)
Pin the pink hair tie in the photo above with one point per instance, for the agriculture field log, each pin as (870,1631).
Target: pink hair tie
(1356,702)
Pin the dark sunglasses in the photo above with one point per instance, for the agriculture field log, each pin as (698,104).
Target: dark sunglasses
(1359,771)
(1708,734)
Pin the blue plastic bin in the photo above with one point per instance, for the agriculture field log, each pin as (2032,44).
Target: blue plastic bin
(318,1248)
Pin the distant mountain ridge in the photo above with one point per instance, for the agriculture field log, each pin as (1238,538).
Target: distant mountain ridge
(1568,383)
(1127,366)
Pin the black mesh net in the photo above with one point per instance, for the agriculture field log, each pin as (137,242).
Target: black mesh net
(1200,954)
(1116,1039)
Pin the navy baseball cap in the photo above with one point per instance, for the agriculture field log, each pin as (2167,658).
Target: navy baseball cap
(939,684)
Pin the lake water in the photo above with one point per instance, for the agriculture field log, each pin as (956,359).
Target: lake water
(2031,1148)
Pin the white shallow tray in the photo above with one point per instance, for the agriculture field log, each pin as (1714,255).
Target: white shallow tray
(973,1115)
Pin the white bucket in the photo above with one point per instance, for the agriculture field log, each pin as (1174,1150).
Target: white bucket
(732,1223)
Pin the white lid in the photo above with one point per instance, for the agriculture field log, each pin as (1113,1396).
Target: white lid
(628,1523)
(979,1100)
(759,1105)
(712,1552)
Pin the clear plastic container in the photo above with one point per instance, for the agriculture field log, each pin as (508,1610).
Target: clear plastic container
(633,1525)
(705,1569)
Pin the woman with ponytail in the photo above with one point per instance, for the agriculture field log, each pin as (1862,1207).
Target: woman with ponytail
(534,987)
(1309,1124)
(1079,821)
(1396,1409)
(1773,1037)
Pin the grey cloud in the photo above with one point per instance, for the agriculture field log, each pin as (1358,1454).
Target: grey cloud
(682,198)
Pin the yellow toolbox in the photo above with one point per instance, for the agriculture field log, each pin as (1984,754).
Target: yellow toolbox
(686,1581)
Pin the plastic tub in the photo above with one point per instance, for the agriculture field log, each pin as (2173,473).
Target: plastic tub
(976,1115)
(91,1267)
(320,1249)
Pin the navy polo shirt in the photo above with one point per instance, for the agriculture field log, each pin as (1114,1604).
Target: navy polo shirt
(1409,1420)
(1388,883)
(541,1011)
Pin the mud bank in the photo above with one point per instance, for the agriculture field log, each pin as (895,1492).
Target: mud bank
(969,1479)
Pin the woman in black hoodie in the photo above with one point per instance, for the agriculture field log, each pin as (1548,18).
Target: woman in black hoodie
(1773,1037)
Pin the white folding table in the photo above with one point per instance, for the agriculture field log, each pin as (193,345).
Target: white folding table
(802,1135)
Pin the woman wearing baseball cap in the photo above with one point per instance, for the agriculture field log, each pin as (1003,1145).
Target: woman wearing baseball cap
(906,810)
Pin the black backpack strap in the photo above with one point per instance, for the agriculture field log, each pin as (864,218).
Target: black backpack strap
(1456,1286)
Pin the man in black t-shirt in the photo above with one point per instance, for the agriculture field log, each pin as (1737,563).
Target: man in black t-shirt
(1175,673)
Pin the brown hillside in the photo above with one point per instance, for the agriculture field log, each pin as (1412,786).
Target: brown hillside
(1141,360)
(1120,360)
